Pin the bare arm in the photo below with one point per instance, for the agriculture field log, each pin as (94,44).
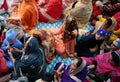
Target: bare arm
(18,50)
(11,56)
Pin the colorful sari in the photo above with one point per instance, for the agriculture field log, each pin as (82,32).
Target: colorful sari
(104,66)
(33,61)
(78,75)
(27,15)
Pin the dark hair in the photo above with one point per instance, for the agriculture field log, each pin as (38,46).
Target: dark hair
(38,38)
(2,28)
(70,25)
(73,5)
(79,62)
(109,22)
(115,57)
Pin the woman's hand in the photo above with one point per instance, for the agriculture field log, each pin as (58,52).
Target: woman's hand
(17,50)
(58,74)
(11,56)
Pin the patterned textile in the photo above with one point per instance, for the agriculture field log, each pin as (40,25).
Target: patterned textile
(57,59)
(49,25)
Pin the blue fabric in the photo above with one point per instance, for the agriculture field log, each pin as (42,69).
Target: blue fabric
(57,59)
(89,27)
(10,35)
(85,43)
(10,64)
(17,44)
(33,59)
(49,25)
(102,32)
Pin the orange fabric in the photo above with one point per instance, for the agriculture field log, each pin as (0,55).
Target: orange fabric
(55,36)
(63,47)
(28,13)
(59,46)
(57,30)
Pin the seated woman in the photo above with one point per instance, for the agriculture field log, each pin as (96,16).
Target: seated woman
(89,45)
(26,15)
(81,11)
(76,72)
(63,38)
(106,64)
(50,11)
(10,42)
(109,24)
(32,63)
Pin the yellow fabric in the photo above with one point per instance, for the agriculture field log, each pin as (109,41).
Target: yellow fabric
(102,19)
(112,38)
(31,32)
(117,32)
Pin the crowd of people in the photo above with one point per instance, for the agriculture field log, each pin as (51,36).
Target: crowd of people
(85,48)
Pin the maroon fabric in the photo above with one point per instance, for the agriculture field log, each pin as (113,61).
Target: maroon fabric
(2,37)
(3,65)
(5,5)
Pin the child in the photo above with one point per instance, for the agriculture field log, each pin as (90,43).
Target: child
(9,44)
